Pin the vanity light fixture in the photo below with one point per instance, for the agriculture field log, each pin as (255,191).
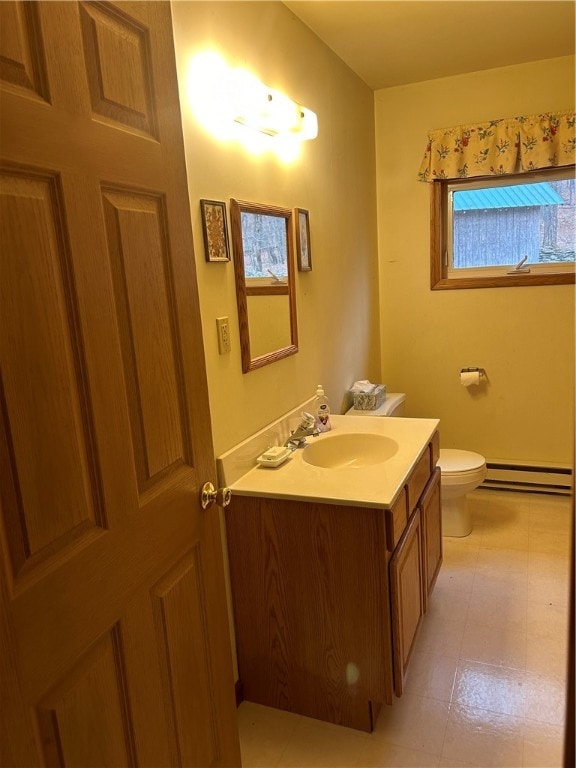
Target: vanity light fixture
(268,110)
(231,104)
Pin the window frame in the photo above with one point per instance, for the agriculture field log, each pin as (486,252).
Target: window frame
(442,278)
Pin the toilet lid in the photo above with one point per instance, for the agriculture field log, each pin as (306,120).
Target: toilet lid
(454,460)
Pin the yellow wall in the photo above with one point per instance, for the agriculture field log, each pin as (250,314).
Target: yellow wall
(333,178)
(523,337)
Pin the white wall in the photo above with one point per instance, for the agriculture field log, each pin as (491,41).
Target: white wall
(523,337)
(334,179)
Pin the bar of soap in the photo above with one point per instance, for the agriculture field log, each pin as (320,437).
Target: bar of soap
(274,456)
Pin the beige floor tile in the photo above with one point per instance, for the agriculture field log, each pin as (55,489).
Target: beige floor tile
(500,584)
(543,745)
(447,603)
(558,500)
(484,738)
(458,554)
(431,675)
(459,578)
(548,587)
(553,563)
(498,609)
(322,745)
(489,497)
(381,754)
(494,645)
(547,653)
(505,516)
(552,518)
(505,561)
(549,577)
(484,686)
(547,616)
(555,542)
(446,762)
(546,698)
(396,724)
(508,538)
(264,734)
(440,636)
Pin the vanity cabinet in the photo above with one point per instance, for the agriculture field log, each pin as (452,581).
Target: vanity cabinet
(328,598)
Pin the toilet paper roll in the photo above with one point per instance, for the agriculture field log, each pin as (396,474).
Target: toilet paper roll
(469,378)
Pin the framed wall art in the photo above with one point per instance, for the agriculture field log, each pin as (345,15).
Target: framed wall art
(303,251)
(215,228)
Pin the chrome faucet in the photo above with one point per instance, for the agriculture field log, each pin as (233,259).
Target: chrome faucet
(306,428)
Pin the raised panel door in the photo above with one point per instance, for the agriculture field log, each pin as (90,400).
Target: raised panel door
(113,620)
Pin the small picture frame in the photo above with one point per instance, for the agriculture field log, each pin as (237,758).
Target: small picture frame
(303,250)
(215,228)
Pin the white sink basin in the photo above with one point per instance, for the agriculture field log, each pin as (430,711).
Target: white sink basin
(349,450)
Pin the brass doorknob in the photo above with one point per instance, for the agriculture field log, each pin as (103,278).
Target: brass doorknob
(209,495)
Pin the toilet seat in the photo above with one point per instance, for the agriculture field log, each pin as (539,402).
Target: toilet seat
(459,467)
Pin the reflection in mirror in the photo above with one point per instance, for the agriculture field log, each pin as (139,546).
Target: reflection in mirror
(265,290)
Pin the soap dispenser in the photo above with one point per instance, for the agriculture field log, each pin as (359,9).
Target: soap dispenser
(322,410)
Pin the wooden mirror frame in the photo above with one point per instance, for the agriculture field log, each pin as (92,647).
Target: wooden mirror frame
(237,207)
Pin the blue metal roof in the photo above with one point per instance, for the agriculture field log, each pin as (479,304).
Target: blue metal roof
(515,196)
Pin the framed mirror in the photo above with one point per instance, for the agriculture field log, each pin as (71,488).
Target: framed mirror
(265,292)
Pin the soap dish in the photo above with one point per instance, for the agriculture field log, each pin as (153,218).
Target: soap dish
(274,456)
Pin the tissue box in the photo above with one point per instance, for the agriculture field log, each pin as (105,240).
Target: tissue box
(368,401)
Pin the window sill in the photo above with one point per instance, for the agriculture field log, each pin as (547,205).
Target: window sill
(504,281)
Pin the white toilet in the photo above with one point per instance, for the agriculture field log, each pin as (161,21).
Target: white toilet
(461,472)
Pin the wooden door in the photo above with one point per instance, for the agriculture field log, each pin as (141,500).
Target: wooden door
(406,597)
(115,644)
(431,516)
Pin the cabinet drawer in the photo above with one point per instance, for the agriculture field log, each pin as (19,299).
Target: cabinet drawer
(396,519)
(418,479)
(434,451)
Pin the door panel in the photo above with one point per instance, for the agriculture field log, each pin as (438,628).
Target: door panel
(144,295)
(123,94)
(179,602)
(113,612)
(44,402)
(75,728)
(22,62)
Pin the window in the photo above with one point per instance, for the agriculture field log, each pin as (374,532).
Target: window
(504,231)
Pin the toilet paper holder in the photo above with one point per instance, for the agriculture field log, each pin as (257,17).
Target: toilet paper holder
(480,371)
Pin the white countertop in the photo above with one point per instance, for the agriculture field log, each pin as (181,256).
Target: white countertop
(373,486)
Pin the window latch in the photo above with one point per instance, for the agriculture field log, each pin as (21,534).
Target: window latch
(519,267)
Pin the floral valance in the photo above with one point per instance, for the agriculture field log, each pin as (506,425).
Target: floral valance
(498,147)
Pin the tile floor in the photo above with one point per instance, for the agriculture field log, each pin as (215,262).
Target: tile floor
(486,686)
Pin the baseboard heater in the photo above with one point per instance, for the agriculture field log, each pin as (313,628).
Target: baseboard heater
(528,478)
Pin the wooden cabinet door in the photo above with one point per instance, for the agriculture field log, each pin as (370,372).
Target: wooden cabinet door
(431,517)
(406,592)
(311,632)
(113,622)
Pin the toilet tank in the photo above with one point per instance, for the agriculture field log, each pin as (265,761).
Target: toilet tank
(393,405)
